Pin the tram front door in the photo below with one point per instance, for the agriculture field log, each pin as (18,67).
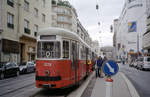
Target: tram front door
(75,60)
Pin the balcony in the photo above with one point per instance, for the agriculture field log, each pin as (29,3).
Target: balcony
(64,14)
(27,31)
(9,25)
(65,21)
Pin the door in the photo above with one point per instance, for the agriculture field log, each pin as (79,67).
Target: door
(75,60)
(87,66)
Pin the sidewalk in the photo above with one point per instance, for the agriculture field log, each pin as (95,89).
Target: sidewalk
(122,87)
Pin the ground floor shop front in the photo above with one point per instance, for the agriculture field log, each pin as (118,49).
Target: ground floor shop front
(18,51)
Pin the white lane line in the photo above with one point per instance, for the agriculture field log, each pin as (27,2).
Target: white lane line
(132,89)
(110,68)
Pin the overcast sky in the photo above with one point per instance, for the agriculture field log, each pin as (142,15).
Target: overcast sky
(89,17)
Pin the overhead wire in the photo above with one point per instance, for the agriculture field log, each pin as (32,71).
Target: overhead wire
(99,23)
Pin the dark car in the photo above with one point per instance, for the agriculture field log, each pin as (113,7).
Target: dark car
(27,67)
(8,69)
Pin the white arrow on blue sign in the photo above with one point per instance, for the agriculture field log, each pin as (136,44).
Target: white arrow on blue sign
(110,68)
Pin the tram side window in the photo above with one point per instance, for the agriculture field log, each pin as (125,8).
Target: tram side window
(83,53)
(65,49)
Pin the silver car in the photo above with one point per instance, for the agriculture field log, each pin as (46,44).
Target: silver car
(27,67)
(144,63)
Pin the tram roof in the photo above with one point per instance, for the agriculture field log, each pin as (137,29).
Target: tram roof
(61,32)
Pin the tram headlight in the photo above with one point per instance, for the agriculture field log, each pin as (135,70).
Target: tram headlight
(47,72)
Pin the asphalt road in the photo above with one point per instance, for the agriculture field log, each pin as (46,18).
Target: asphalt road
(24,86)
(17,86)
(140,79)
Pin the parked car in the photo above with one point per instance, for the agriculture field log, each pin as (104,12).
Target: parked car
(27,67)
(8,69)
(144,63)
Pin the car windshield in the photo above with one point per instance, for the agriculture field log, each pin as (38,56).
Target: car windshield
(23,64)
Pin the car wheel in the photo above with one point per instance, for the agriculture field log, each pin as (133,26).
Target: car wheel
(17,73)
(2,76)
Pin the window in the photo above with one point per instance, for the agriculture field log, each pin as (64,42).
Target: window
(148,59)
(10,20)
(35,30)
(43,18)
(26,27)
(48,50)
(83,52)
(35,12)
(65,49)
(10,2)
(26,6)
(26,24)
(43,3)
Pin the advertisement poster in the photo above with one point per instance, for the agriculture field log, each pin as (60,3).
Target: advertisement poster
(132,27)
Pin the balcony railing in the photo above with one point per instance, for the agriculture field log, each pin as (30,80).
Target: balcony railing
(27,31)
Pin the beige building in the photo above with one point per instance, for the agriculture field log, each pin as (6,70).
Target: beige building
(82,32)
(21,20)
(64,15)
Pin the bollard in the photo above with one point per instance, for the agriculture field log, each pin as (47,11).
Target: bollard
(109,86)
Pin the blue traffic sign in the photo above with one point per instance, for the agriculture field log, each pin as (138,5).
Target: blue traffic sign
(110,68)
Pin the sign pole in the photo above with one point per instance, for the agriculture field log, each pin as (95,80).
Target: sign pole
(109,86)
(110,68)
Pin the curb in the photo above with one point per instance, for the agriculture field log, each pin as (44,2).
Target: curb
(81,89)
(131,88)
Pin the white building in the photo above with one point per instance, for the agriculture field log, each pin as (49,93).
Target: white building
(146,35)
(131,27)
(114,39)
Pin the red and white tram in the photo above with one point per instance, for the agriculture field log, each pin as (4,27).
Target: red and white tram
(62,58)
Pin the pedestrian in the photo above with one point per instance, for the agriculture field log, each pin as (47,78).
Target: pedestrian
(99,63)
(123,60)
(104,59)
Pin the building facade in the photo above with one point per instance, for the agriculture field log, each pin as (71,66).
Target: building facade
(64,15)
(0,29)
(115,24)
(132,26)
(146,35)
(21,20)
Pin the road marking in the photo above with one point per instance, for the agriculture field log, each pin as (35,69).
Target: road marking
(110,68)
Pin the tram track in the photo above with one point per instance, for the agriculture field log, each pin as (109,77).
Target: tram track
(14,90)
(14,82)
(55,92)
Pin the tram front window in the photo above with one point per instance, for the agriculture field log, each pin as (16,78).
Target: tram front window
(48,50)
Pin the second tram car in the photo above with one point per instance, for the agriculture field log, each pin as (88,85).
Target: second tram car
(62,58)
